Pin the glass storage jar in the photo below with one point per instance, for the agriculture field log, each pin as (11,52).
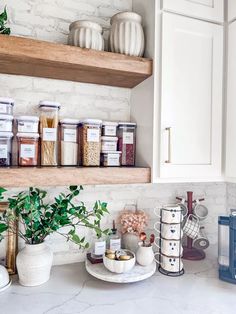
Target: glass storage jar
(90,131)
(49,132)
(111,159)
(6,105)
(127,142)
(27,124)
(5,149)
(28,144)
(109,128)
(6,123)
(109,143)
(69,142)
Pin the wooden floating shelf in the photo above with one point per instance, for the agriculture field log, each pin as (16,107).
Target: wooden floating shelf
(23,56)
(26,177)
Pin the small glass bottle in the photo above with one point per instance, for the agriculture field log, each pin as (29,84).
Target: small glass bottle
(98,248)
(114,239)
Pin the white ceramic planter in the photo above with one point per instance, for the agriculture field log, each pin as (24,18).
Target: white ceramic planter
(34,264)
(86,34)
(144,255)
(127,36)
(130,241)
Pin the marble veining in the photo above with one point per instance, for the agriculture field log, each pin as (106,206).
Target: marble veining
(71,290)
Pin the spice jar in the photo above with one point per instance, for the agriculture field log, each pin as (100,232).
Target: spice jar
(109,159)
(90,131)
(69,142)
(109,128)
(126,142)
(5,149)
(28,124)
(49,132)
(28,144)
(6,122)
(109,143)
(6,105)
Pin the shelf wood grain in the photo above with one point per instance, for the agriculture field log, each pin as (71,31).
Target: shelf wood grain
(26,177)
(23,56)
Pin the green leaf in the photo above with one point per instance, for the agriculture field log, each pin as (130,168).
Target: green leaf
(3,227)
(73,188)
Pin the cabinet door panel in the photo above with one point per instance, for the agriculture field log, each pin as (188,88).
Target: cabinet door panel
(231,106)
(212,10)
(231,10)
(192,63)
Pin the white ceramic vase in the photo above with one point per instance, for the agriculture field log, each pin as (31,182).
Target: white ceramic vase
(86,34)
(144,255)
(127,36)
(130,241)
(34,264)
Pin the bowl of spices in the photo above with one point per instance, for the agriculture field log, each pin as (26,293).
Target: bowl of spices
(28,144)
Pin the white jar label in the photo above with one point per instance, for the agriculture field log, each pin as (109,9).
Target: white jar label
(3,151)
(70,135)
(5,126)
(128,138)
(109,146)
(50,134)
(27,151)
(3,108)
(93,135)
(115,244)
(100,248)
(113,160)
(110,130)
(27,127)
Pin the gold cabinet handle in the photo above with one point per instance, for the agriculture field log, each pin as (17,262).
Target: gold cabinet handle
(168,161)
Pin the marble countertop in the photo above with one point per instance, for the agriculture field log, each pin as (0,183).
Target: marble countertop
(71,290)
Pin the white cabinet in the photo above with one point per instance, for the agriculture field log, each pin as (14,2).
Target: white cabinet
(191,98)
(231,106)
(212,10)
(231,10)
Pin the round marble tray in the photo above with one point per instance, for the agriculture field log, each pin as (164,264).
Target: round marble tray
(138,273)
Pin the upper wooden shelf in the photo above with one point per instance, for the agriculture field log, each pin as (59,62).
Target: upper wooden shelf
(25,177)
(23,56)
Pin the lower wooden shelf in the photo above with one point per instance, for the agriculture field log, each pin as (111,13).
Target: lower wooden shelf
(52,176)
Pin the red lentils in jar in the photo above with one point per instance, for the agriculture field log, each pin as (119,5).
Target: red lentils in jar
(127,142)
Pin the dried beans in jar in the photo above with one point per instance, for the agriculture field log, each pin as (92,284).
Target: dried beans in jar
(127,142)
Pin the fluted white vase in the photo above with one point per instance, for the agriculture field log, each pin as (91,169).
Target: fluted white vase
(34,264)
(86,34)
(127,36)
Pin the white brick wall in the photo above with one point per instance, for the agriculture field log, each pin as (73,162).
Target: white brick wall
(49,20)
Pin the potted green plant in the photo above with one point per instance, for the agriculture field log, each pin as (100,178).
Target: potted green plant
(3,21)
(38,219)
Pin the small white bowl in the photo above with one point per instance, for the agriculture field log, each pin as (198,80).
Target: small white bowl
(4,278)
(119,267)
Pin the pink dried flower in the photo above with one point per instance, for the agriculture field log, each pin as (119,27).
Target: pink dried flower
(133,222)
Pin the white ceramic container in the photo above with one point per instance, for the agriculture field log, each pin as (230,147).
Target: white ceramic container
(4,278)
(170,264)
(119,267)
(34,264)
(170,214)
(144,255)
(169,231)
(127,36)
(86,34)
(171,247)
(130,241)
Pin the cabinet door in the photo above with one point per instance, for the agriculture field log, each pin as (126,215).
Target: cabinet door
(212,10)
(231,106)
(192,70)
(231,10)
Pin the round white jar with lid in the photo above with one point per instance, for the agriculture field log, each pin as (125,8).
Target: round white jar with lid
(69,142)
(27,124)
(109,143)
(6,105)
(6,122)
(109,128)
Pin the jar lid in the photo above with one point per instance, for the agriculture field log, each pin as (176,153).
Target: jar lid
(70,121)
(112,123)
(109,138)
(130,16)
(6,117)
(91,121)
(127,124)
(28,118)
(31,135)
(109,152)
(6,134)
(47,103)
(7,101)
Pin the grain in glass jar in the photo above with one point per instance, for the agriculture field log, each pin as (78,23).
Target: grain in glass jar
(127,142)
(90,133)
(6,105)
(49,132)
(28,144)
(27,124)
(109,128)
(6,123)
(5,149)
(69,142)
(111,159)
